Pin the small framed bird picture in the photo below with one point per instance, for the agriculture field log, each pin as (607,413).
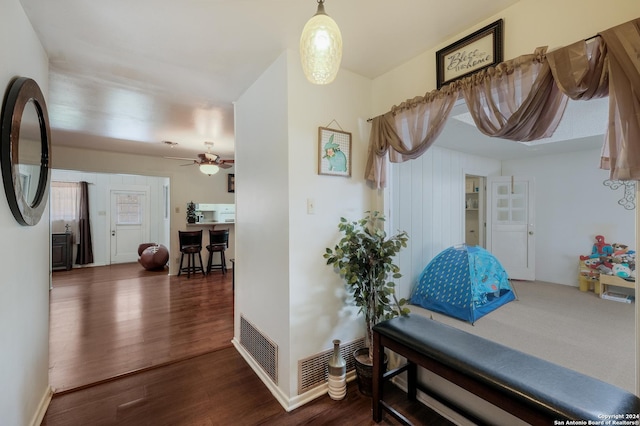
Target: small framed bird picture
(334,152)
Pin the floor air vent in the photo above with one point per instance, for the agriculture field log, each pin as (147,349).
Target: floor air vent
(312,371)
(261,348)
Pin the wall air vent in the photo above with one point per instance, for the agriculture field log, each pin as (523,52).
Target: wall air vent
(312,371)
(260,347)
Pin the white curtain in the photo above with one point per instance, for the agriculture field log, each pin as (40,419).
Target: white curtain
(65,207)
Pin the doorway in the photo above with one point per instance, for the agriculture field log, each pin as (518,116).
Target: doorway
(129,222)
(511,236)
(474,210)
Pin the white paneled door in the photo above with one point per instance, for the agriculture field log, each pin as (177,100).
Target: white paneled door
(129,223)
(511,233)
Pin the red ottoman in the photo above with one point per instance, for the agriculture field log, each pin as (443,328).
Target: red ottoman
(154,257)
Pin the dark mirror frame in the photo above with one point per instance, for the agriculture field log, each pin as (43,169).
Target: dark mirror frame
(20,91)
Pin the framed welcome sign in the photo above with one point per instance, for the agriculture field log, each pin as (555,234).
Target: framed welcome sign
(476,51)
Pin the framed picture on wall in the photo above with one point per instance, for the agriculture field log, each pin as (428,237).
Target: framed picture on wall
(231,182)
(334,152)
(474,52)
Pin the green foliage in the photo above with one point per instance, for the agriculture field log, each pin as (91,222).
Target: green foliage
(364,257)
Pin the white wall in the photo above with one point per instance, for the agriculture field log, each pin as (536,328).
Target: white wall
(262,212)
(186,184)
(581,208)
(527,24)
(320,312)
(24,255)
(99,205)
(283,285)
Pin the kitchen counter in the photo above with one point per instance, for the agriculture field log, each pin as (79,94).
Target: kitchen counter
(210,223)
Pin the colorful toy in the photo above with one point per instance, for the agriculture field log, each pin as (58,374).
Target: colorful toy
(619,249)
(600,249)
(621,270)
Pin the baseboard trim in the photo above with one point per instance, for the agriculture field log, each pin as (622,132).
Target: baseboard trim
(289,404)
(275,391)
(38,416)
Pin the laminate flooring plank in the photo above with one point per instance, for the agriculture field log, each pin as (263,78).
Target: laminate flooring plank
(217,388)
(133,347)
(113,320)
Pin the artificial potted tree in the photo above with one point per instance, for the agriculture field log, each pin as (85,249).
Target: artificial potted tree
(191,212)
(364,257)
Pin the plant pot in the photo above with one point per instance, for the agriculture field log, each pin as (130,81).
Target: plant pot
(364,370)
(191,220)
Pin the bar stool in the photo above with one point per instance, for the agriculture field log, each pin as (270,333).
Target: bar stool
(190,245)
(218,242)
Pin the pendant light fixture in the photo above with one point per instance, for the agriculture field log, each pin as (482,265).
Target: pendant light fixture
(209,169)
(321,47)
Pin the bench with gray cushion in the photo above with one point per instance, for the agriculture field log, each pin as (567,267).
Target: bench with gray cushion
(535,390)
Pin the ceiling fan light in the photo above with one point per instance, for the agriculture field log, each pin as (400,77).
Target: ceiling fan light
(209,169)
(321,47)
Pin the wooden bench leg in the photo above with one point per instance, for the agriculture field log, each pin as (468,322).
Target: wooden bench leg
(378,381)
(412,380)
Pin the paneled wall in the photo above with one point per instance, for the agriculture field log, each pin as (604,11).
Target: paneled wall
(572,207)
(427,201)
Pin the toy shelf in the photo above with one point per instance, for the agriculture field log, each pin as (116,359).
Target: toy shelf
(591,278)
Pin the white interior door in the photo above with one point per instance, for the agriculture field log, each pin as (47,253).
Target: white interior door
(511,226)
(129,223)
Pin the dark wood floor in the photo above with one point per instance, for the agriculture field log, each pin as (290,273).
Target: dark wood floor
(131,347)
(115,320)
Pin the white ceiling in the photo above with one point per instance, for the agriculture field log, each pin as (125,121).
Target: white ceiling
(126,75)
(582,128)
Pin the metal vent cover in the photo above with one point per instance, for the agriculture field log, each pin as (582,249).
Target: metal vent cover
(260,347)
(312,371)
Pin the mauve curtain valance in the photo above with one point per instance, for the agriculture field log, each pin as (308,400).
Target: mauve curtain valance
(621,153)
(515,100)
(407,131)
(524,99)
(610,65)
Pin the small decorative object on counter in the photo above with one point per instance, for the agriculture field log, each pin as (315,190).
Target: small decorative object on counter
(337,373)
(191,212)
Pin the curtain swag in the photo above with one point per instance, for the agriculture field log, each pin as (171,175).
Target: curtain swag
(523,99)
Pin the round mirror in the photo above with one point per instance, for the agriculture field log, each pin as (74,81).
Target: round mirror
(25,138)
(29,153)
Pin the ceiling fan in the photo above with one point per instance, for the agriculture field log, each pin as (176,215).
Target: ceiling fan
(208,162)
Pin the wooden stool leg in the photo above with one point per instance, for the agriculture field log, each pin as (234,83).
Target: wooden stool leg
(209,260)
(201,265)
(180,268)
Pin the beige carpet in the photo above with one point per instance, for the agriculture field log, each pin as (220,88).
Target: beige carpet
(563,325)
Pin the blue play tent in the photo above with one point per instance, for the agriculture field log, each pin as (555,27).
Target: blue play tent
(463,282)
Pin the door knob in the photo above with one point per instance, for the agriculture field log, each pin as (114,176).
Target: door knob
(530,232)
(113,233)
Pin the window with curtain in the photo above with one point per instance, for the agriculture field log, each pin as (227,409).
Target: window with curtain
(65,207)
